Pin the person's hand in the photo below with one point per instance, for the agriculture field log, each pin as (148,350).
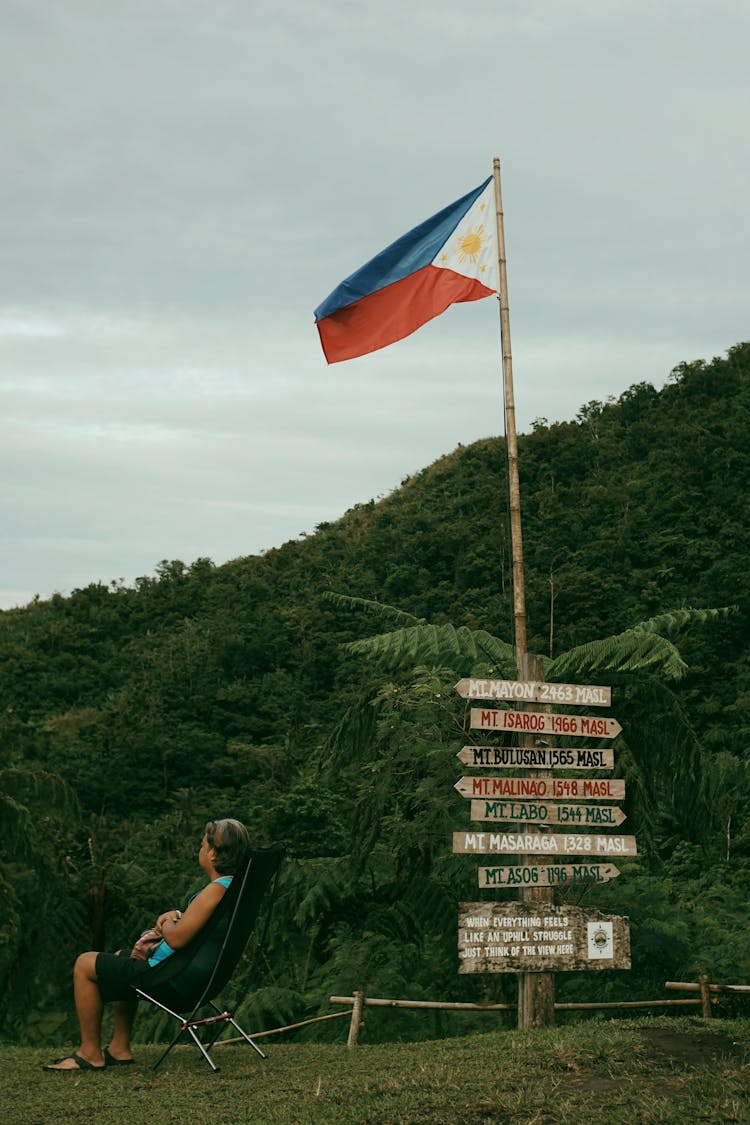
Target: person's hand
(167,916)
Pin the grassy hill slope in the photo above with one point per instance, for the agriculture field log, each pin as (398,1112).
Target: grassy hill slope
(666,1071)
(129,716)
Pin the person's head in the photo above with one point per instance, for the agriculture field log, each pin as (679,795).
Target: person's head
(230,841)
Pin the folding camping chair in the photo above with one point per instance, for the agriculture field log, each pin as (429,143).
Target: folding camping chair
(189,980)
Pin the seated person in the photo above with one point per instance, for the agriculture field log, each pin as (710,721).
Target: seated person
(111,977)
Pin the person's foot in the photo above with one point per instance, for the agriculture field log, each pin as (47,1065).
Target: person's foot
(75,1061)
(117,1060)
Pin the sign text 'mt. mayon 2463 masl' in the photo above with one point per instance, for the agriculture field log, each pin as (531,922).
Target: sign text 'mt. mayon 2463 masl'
(511,937)
(532,691)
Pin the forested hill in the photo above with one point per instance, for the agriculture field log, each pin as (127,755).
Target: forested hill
(130,714)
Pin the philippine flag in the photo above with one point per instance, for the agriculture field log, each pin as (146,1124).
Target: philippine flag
(449,258)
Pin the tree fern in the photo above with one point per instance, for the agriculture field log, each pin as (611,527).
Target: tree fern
(437,644)
(646,647)
(378,609)
(673,623)
(632,651)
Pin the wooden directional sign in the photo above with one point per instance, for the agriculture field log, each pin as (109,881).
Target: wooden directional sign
(508,937)
(541,812)
(537,843)
(536,757)
(577,695)
(543,788)
(537,722)
(546,874)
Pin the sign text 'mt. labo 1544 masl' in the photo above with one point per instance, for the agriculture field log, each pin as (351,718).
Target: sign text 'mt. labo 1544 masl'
(547,812)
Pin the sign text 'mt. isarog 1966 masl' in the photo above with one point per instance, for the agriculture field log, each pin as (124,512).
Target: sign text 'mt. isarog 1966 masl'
(539,722)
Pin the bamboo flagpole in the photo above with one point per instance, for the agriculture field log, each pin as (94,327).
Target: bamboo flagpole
(536,994)
(514,490)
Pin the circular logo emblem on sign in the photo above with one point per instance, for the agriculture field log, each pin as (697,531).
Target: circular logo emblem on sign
(600,938)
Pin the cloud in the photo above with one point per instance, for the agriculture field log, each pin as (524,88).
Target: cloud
(183,183)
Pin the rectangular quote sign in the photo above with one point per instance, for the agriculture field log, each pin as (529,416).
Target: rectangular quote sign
(511,937)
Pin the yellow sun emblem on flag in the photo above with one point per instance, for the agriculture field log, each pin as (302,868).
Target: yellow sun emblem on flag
(470,244)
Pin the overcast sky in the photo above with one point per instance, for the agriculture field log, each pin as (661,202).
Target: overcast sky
(183,182)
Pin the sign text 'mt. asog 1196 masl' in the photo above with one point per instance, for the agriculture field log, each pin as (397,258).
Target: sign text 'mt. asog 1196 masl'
(547,874)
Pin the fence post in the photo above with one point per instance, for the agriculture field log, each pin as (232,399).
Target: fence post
(705,997)
(354,1026)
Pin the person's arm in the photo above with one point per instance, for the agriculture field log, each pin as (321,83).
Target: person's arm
(178,929)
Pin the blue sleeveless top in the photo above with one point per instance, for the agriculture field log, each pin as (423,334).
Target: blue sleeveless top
(163,950)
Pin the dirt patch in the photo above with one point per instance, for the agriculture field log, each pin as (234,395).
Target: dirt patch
(693,1048)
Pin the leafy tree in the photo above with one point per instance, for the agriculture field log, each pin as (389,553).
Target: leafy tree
(219,690)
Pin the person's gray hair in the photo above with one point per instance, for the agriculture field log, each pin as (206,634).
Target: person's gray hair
(231,841)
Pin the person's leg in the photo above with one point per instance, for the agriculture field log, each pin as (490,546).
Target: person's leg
(124,1013)
(89,1010)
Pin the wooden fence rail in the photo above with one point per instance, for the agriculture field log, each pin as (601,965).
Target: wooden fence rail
(359,1002)
(681,986)
(705,990)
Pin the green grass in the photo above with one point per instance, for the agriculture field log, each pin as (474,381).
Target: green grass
(598,1070)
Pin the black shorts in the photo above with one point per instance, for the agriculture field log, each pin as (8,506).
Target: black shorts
(117,975)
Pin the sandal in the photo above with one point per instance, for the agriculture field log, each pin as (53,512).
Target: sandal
(110,1060)
(81,1064)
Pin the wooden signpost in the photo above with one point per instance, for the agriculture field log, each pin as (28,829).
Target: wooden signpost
(538,722)
(538,812)
(546,875)
(536,757)
(511,937)
(532,691)
(543,843)
(546,937)
(543,788)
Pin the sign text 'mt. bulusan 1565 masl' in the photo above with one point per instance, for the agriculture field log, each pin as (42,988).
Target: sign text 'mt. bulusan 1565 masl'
(536,757)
